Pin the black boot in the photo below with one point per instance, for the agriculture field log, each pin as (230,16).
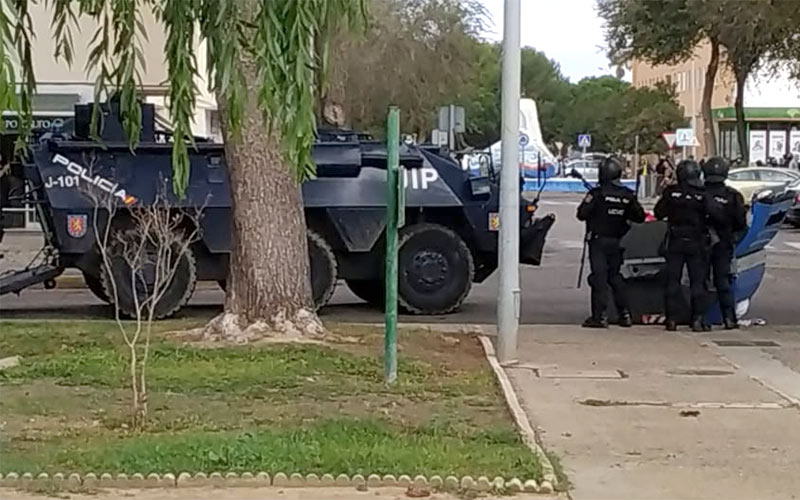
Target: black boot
(697,325)
(592,322)
(671,326)
(730,323)
(625,319)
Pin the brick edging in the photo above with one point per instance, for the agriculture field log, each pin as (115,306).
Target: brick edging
(262,479)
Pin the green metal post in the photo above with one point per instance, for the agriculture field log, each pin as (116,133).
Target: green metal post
(392,187)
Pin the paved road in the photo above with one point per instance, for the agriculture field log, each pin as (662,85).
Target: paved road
(549,293)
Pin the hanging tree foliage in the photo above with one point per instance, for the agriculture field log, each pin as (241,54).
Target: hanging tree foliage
(286,38)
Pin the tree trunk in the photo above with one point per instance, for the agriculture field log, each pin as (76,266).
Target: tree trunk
(709,137)
(268,287)
(741,130)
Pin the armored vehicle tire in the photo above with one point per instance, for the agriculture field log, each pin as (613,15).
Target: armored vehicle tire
(435,269)
(323,269)
(95,285)
(371,291)
(177,293)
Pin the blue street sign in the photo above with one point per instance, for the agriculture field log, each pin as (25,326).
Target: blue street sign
(584,141)
(523,139)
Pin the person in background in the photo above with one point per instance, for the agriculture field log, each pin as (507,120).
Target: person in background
(608,211)
(683,206)
(727,221)
(666,174)
(790,161)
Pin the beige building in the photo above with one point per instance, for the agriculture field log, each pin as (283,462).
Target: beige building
(61,86)
(688,80)
(771,105)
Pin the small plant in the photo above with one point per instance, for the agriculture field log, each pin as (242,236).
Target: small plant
(141,251)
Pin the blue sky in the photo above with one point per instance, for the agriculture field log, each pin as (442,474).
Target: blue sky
(568,31)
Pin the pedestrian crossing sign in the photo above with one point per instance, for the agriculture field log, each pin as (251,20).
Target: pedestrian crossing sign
(684,137)
(584,141)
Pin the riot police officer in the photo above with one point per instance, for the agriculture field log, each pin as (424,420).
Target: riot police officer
(608,210)
(727,219)
(684,207)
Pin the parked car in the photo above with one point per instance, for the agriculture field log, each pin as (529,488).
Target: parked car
(587,167)
(752,180)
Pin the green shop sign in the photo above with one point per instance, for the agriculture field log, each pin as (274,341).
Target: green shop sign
(758,113)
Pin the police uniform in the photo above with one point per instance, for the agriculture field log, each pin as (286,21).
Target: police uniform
(727,219)
(608,211)
(684,207)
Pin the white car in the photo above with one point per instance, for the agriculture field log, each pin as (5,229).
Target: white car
(751,180)
(588,168)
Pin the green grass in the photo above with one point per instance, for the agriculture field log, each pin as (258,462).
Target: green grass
(330,446)
(292,408)
(244,370)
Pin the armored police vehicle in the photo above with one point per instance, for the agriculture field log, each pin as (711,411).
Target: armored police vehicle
(449,240)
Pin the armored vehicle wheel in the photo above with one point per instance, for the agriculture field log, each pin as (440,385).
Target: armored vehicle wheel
(95,285)
(323,266)
(371,291)
(177,293)
(435,269)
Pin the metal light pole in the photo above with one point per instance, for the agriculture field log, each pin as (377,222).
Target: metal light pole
(693,87)
(508,299)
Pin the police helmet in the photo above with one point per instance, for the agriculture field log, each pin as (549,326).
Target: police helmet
(610,170)
(715,170)
(689,173)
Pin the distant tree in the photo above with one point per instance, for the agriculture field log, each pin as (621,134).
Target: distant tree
(647,113)
(483,106)
(666,32)
(423,54)
(542,81)
(614,113)
(416,54)
(595,107)
(756,35)
(751,33)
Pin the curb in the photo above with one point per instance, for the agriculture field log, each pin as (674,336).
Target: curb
(529,436)
(61,481)
(70,281)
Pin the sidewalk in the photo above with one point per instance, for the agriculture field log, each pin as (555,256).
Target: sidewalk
(257,494)
(645,414)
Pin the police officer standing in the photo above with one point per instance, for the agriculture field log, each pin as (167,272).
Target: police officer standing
(608,210)
(684,207)
(727,219)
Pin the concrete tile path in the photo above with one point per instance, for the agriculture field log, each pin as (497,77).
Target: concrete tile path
(645,414)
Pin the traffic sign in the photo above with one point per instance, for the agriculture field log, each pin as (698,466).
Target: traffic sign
(524,140)
(669,138)
(684,137)
(584,141)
